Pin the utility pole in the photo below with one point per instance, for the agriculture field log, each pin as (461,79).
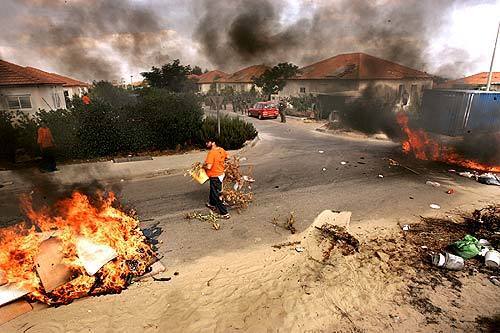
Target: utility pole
(131,82)
(492,60)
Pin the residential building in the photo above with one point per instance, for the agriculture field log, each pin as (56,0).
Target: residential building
(242,80)
(474,82)
(71,87)
(346,77)
(28,91)
(210,81)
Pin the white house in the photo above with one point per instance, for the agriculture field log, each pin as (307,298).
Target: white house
(29,89)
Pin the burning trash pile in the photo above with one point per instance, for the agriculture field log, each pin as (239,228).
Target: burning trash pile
(81,246)
(424,147)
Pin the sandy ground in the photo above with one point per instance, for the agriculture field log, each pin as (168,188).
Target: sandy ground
(264,289)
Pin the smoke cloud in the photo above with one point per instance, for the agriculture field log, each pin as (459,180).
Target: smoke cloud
(248,32)
(90,39)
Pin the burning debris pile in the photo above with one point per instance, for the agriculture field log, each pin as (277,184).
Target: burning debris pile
(419,143)
(81,246)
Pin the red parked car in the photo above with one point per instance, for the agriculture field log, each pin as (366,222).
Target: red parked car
(263,110)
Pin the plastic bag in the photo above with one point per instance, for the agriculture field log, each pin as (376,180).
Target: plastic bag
(467,248)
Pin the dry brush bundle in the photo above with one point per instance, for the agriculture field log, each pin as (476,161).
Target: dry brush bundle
(237,187)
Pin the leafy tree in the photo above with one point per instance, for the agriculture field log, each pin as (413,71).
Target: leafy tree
(273,80)
(172,77)
(197,70)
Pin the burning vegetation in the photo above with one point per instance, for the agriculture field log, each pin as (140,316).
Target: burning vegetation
(97,248)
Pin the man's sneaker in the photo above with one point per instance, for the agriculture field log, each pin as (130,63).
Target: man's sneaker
(210,206)
(225,216)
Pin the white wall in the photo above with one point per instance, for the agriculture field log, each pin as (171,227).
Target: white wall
(79,91)
(40,97)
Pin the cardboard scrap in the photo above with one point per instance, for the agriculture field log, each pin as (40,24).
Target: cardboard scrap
(10,292)
(93,255)
(13,310)
(49,267)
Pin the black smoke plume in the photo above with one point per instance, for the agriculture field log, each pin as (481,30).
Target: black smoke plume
(248,32)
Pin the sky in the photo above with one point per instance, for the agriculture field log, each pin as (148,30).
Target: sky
(113,39)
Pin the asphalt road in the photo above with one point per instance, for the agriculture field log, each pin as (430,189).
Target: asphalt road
(292,175)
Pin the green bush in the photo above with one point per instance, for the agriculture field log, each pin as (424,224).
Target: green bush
(155,120)
(234,131)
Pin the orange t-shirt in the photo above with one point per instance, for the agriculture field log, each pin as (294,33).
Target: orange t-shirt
(45,139)
(86,100)
(216,157)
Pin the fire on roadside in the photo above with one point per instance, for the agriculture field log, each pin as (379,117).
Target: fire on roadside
(77,217)
(423,147)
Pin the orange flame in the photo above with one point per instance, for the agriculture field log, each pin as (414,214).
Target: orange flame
(421,145)
(72,218)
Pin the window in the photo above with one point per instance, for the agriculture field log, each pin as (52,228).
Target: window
(19,102)
(302,90)
(56,99)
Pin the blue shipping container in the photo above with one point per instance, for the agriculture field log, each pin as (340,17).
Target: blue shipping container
(460,112)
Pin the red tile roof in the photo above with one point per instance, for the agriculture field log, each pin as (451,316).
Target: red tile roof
(473,80)
(358,66)
(12,75)
(68,82)
(246,74)
(212,76)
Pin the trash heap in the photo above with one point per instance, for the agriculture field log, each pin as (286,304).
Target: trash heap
(81,246)
(453,245)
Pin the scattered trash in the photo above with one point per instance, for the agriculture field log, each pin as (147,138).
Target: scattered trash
(406,227)
(162,278)
(299,249)
(324,169)
(424,247)
(450,191)
(279,246)
(396,163)
(321,151)
(343,163)
(122,180)
(435,184)
(434,206)
(467,247)
(483,242)
(467,174)
(449,261)
(495,280)
(380,176)
(152,233)
(492,259)
(489,179)
(411,198)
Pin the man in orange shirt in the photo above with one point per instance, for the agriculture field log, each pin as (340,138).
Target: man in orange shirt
(214,166)
(46,143)
(86,99)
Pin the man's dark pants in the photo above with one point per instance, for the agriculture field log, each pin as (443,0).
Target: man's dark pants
(48,159)
(283,117)
(215,192)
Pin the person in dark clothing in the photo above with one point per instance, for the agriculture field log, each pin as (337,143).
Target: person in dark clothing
(47,148)
(214,166)
(282,109)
